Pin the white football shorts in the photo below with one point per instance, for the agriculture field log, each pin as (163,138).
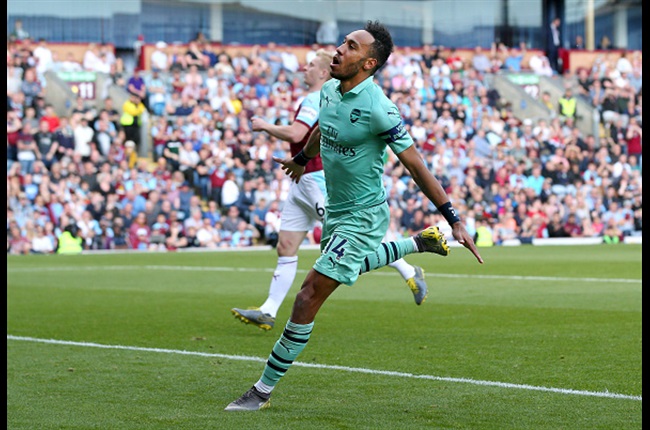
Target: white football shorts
(305,204)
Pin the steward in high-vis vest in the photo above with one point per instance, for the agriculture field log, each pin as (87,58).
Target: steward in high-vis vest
(69,242)
(132,109)
(568,104)
(483,234)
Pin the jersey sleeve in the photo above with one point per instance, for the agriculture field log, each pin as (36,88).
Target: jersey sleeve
(387,124)
(308,111)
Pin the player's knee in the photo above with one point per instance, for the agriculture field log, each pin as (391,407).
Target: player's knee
(305,298)
(287,247)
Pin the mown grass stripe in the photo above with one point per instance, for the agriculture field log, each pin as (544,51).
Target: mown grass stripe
(270,270)
(605,394)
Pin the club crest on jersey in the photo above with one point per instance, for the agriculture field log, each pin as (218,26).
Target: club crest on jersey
(355,115)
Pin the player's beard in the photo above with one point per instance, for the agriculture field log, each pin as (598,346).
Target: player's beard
(347,72)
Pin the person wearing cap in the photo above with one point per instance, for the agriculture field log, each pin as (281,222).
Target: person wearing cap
(159,58)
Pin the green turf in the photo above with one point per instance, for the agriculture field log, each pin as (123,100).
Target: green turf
(536,338)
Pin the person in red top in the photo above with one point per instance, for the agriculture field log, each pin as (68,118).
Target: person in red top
(140,232)
(454,61)
(572,227)
(52,118)
(633,136)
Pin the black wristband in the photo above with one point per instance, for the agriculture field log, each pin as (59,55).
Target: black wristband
(449,213)
(301,159)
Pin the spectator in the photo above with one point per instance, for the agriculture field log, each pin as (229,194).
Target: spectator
(140,232)
(612,234)
(31,87)
(245,235)
(273,57)
(554,44)
(18,33)
(578,42)
(157,93)
(513,61)
(47,145)
(132,110)
(633,139)
(208,236)
(194,56)
(136,85)
(175,236)
(188,158)
(568,104)
(69,241)
(212,213)
(229,191)
(605,43)
(209,50)
(290,61)
(231,221)
(159,59)
(480,61)
(44,59)
(485,235)
(572,227)
(14,128)
(327,33)
(224,69)
(28,151)
(92,61)
(540,65)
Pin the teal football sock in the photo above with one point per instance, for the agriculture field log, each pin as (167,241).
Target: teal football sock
(388,252)
(293,340)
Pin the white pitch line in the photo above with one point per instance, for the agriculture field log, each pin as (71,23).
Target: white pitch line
(605,394)
(269,270)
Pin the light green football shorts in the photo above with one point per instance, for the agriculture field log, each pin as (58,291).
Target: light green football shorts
(348,237)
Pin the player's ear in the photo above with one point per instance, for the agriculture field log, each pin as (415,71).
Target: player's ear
(370,63)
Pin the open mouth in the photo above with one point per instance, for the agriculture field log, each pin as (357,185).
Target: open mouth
(335,61)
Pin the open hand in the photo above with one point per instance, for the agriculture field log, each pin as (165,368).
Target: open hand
(463,237)
(290,167)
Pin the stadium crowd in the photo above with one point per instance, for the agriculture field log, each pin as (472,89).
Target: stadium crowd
(75,182)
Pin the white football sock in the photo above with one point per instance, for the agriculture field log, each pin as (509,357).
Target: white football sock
(406,270)
(285,273)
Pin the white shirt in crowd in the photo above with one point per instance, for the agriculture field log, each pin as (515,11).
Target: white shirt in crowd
(159,59)
(44,58)
(83,134)
(229,192)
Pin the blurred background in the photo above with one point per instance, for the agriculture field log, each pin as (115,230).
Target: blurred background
(528,111)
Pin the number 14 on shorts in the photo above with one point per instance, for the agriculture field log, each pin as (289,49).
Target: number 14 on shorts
(337,246)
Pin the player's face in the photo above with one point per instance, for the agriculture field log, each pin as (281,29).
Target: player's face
(351,55)
(314,70)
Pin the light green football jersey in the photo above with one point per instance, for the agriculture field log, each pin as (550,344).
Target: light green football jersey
(355,129)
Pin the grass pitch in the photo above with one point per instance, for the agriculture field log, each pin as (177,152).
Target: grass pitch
(536,338)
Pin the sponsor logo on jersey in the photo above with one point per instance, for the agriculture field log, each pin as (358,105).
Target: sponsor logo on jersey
(308,113)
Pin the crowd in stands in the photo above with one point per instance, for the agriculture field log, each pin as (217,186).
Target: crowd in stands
(75,182)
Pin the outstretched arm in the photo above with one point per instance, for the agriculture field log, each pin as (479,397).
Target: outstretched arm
(433,190)
(295,167)
(292,133)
